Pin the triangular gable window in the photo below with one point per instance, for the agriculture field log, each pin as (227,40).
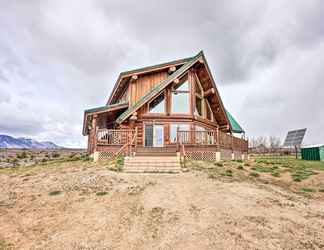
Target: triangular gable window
(157,105)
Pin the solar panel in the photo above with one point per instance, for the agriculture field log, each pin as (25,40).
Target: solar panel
(294,137)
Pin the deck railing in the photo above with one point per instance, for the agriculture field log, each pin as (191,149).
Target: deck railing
(114,136)
(211,137)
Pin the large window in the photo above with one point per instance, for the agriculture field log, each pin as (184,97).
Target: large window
(174,128)
(180,97)
(157,105)
(199,98)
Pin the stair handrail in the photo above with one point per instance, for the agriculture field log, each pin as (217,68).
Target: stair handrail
(127,144)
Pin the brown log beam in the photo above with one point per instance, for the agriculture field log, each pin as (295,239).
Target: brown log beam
(209,92)
(172,69)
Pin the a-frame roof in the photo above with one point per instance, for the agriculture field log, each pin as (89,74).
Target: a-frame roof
(158,88)
(126,74)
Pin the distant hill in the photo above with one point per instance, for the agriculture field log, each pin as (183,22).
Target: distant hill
(7,141)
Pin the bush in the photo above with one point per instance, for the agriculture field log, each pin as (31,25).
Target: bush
(85,157)
(119,162)
(55,155)
(56,192)
(219,164)
(307,190)
(254,174)
(101,193)
(240,167)
(22,155)
(275,174)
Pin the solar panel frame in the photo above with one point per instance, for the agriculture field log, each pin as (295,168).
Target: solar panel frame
(294,137)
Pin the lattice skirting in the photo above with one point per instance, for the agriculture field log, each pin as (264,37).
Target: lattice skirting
(201,155)
(105,155)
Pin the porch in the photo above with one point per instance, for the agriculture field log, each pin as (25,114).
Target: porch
(194,144)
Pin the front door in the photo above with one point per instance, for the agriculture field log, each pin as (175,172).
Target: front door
(158,136)
(153,135)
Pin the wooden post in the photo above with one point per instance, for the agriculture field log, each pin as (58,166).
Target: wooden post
(178,139)
(94,127)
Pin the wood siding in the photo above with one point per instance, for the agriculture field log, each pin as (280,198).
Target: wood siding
(144,83)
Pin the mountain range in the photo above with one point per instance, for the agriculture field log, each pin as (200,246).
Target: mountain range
(7,141)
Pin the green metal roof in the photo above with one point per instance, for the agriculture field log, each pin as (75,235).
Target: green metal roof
(236,128)
(159,87)
(103,108)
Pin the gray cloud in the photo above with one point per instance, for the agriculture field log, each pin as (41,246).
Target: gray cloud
(59,57)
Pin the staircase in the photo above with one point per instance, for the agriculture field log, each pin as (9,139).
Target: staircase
(152,164)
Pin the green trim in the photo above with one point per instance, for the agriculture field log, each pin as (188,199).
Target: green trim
(236,128)
(103,108)
(149,68)
(159,87)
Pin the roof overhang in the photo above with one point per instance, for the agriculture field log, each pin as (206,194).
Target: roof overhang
(100,110)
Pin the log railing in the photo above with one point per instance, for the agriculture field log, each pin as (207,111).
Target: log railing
(210,138)
(114,136)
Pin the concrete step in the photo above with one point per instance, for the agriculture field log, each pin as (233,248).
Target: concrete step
(151,170)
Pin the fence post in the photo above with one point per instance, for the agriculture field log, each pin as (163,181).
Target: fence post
(178,139)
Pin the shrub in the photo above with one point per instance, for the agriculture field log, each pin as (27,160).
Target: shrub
(101,193)
(307,190)
(254,174)
(43,160)
(228,173)
(55,155)
(56,192)
(85,157)
(275,174)
(240,167)
(22,155)
(218,164)
(119,162)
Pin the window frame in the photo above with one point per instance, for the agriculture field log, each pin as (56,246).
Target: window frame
(199,96)
(182,80)
(164,106)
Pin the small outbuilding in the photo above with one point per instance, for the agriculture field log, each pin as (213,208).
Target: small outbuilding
(313,152)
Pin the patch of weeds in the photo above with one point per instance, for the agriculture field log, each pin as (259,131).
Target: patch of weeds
(275,174)
(261,169)
(218,164)
(228,173)
(101,193)
(119,162)
(240,167)
(247,164)
(301,173)
(56,192)
(85,158)
(307,190)
(321,190)
(22,155)
(4,245)
(43,160)
(55,155)
(254,174)
(240,161)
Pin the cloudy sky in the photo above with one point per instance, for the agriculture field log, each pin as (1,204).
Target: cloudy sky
(60,57)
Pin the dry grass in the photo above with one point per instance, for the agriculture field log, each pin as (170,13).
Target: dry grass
(83,205)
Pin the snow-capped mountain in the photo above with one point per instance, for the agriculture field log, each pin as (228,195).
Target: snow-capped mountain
(7,141)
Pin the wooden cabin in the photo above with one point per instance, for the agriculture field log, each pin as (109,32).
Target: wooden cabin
(170,108)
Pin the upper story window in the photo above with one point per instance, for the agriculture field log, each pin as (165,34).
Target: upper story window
(180,102)
(157,105)
(199,98)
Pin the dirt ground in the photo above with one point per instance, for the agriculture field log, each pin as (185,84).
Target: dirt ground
(81,205)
